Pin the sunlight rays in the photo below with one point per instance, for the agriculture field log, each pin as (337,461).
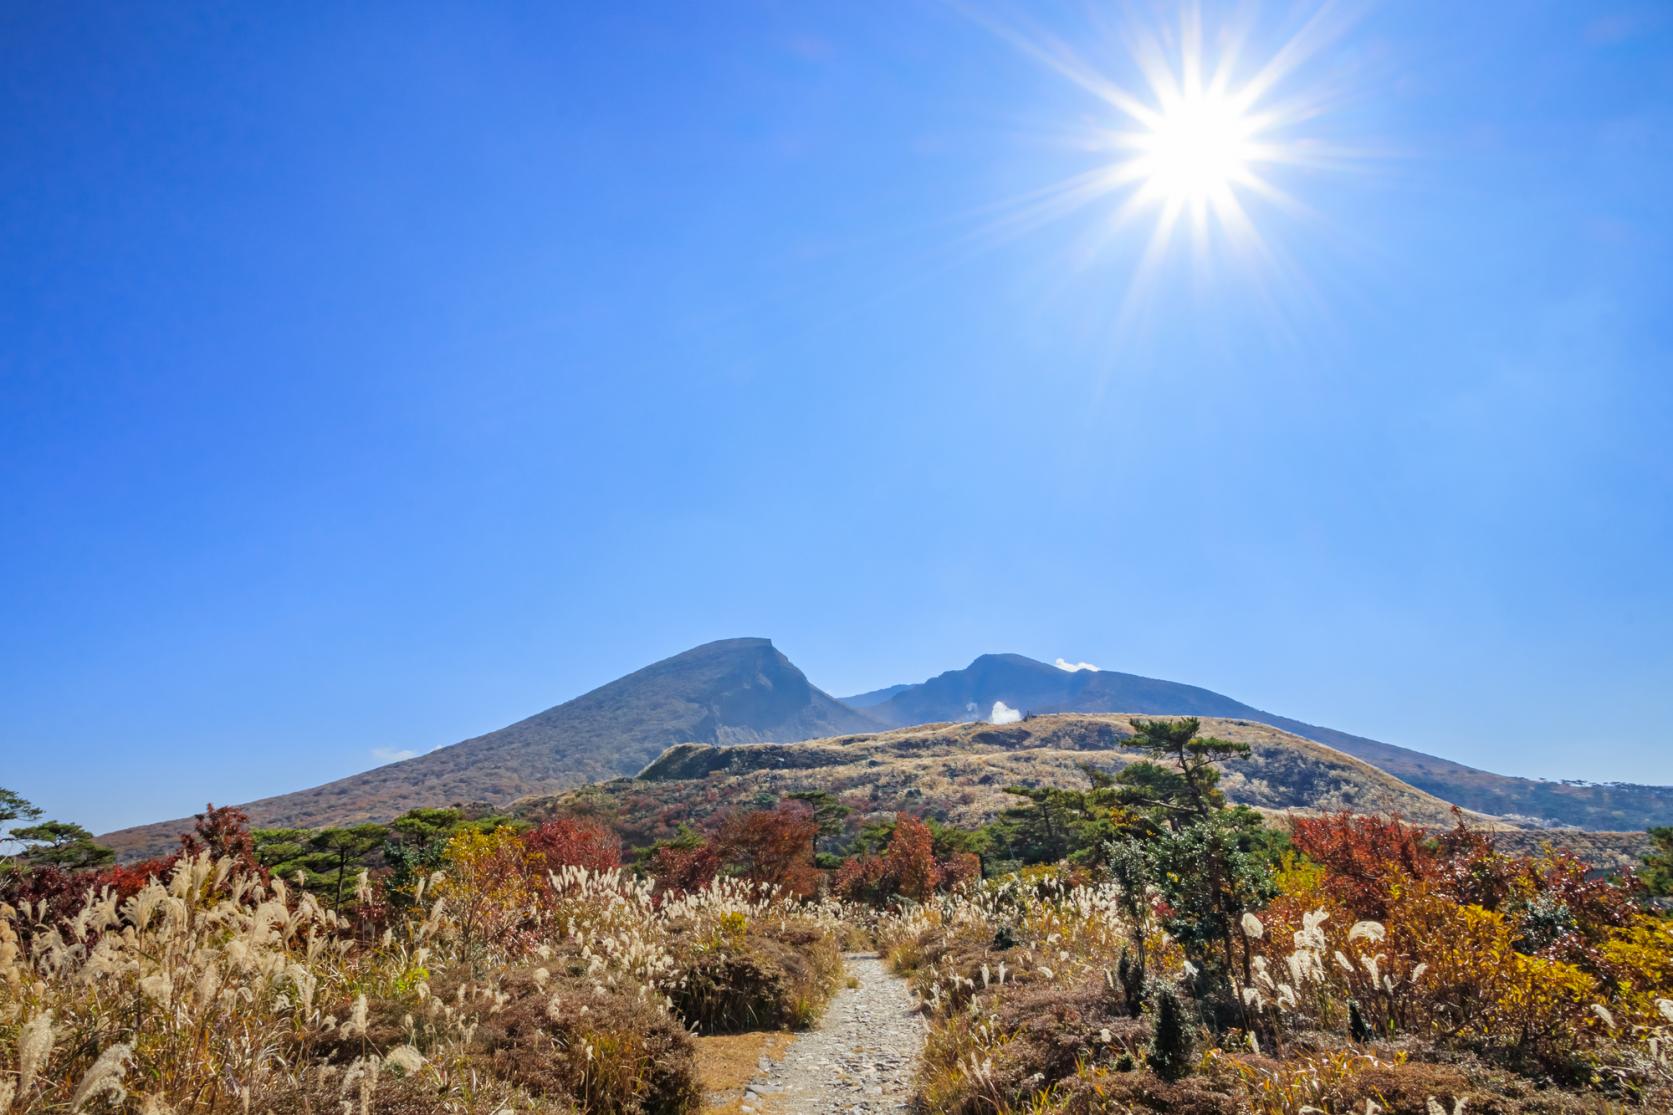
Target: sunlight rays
(1195,147)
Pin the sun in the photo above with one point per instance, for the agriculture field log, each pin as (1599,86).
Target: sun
(1196,149)
(1201,131)
(1196,146)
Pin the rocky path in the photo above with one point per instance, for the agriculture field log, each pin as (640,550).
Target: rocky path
(859,1060)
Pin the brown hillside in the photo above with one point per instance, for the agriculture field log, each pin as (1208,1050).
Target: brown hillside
(732,691)
(958,773)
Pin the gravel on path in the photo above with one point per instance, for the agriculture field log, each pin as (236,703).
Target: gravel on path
(861,1058)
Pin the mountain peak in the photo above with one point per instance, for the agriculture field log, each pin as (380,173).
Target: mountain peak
(721,646)
(1012,662)
(728,691)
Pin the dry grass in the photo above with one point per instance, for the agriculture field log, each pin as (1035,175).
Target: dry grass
(215,992)
(779,976)
(726,1063)
(958,773)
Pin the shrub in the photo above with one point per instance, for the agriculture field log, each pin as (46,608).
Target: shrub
(910,864)
(685,868)
(574,842)
(608,1050)
(1366,859)
(1475,986)
(489,886)
(773,847)
(908,867)
(1637,960)
(767,976)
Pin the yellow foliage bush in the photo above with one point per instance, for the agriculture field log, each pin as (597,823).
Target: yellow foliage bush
(487,884)
(1476,985)
(1639,961)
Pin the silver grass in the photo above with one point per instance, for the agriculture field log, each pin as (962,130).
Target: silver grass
(34,1046)
(104,1078)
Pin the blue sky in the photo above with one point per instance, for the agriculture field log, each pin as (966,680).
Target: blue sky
(372,378)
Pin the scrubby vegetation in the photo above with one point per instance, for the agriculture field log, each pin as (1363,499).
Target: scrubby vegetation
(523,973)
(1198,962)
(1137,944)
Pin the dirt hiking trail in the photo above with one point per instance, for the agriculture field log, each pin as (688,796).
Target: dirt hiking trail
(860,1059)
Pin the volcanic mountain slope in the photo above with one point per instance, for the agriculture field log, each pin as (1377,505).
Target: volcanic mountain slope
(732,691)
(958,772)
(1027,684)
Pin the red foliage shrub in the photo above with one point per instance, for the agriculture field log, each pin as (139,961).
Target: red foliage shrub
(1367,858)
(126,879)
(574,842)
(773,847)
(910,860)
(860,879)
(224,831)
(1469,867)
(907,868)
(685,868)
(64,893)
(960,868)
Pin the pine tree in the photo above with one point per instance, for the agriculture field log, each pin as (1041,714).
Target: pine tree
(1172,1040)
(1658,864)
(1357,1026)
(1130,974)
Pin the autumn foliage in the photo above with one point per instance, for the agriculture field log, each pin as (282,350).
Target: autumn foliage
(772,847)
(1365,857)
(223,832)
(908,867)
(685,867)
(574,842)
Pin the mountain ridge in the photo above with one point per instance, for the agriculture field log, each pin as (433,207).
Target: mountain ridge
(745,691)
(729,691)
(1027,684)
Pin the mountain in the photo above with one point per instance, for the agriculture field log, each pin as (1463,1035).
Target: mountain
(728,692)
(958,773)
(1029,685)
(875,697)
(743,691)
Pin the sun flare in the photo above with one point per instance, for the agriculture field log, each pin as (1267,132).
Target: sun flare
(1195,149)
(1201,131)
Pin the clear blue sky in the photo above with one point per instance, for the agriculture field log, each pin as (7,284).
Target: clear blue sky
(372,376)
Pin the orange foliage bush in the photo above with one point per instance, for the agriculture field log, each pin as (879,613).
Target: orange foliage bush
(906,869)
(685,869)
(910,861)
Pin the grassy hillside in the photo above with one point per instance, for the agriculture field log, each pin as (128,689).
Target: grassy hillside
(958,773)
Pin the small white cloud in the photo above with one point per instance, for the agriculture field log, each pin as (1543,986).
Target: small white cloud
(392,754)
(1004,714)
(1065,664)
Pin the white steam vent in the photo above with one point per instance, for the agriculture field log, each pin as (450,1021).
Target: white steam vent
(1004,714)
